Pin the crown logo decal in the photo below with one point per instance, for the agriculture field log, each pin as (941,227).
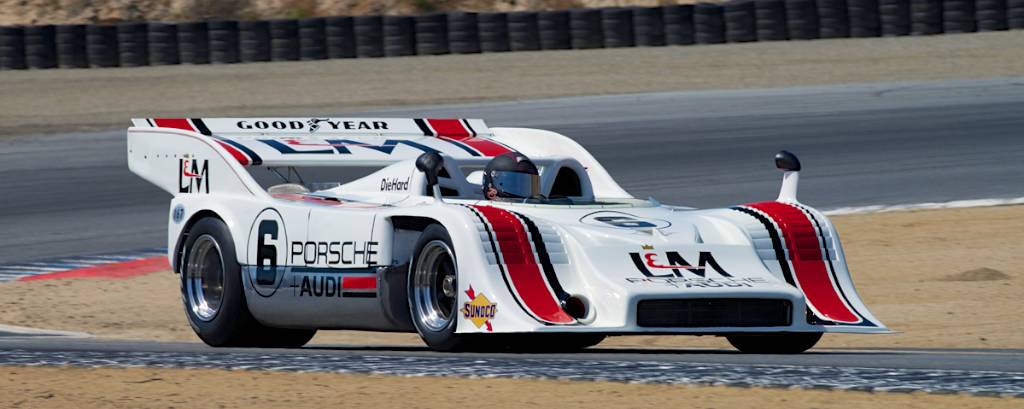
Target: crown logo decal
(647,247)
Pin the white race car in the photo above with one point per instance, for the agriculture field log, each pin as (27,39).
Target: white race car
(473,237)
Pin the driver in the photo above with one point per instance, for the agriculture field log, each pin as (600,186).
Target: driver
(511,176)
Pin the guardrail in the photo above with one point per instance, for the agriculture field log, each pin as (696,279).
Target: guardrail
(228,42)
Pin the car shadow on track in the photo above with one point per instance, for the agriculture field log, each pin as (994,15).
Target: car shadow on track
(594,352)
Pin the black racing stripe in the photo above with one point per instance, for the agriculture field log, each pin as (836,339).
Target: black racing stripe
(832,267)
(497,255)
(358,295)
(472,131)
(201,126)
(150,121)
(254,158)
(780,254)
(544,257)
(423,127)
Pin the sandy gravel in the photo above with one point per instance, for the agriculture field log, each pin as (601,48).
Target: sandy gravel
(169,388)
(944,278)
(62,100)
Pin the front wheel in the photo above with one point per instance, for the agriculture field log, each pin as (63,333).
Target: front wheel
(781,343)
(433,291)
(211,287)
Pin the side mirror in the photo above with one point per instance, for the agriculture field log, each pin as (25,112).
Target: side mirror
(786,160)
(790,165)
(430,164)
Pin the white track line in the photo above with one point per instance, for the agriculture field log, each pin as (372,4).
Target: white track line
(34,268)
(957,204)
(10,329)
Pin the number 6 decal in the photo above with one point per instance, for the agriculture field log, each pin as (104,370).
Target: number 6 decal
(622,220)
(266,252)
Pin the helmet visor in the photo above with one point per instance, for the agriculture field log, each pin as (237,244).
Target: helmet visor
(516,184)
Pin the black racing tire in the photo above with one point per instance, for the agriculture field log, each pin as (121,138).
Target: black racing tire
(230,324)
(780,343)
(424,269)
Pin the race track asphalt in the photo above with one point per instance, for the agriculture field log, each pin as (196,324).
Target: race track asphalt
(979,372)
(891,143)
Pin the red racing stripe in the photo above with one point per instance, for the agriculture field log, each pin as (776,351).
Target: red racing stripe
(526,276)
(359,283)
(176,123)
(454,129)
(809,266)
(237,154)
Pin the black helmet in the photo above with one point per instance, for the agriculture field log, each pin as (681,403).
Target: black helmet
(511,175)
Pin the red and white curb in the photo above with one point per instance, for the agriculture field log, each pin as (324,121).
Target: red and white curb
(112,265)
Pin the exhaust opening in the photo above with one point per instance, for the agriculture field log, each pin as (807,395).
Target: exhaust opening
(576,306)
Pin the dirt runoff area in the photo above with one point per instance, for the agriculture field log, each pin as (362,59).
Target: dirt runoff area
(45,101)
(168,388)
(947,278)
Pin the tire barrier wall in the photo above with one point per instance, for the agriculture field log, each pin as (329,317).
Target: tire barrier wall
(649,26)
(133,44)
(313,39)
(369,36)
(193,42)
(523,31)
(254,41)
(709,23)
(740,21)
(617,24)
(771,20)
(137,44)
(41,46)
(464,33)
(399,36)
(802,19)
(223,37)
(493,31)
(163,44)
(284,40)
(554,30)
(678,24)
(431,34)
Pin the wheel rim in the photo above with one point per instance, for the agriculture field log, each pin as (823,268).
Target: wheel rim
(204,278)
(434,286)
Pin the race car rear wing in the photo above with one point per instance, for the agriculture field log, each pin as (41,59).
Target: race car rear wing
(180,154)
(337,141)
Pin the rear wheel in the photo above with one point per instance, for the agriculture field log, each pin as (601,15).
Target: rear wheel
(211,288)
(781,343)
